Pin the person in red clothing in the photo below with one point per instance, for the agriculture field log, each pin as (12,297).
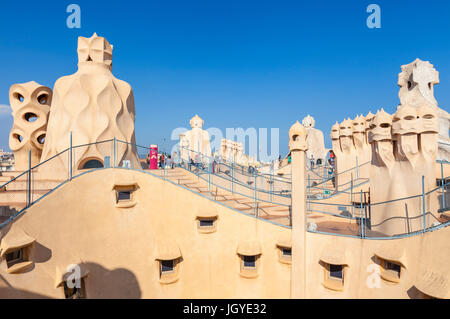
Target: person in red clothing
(331,154)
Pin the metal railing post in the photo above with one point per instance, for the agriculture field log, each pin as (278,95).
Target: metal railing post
(323,180)
(189,161)
(442,186)
(256,207)
(351,193)
(271,183)
(70,157)
(29,180)
(197,164)
(423,204)
(209,179)
(308,200)
(114,150)
(308,203)
(232,177)
(361,212)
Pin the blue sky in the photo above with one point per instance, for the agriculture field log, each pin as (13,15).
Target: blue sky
(236,63)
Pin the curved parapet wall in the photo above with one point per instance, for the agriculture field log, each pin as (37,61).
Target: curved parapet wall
(421,260)
(93,106)
(118,246)
(30,103)
(121,242)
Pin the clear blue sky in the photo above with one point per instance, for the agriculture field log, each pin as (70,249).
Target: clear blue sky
(236,63)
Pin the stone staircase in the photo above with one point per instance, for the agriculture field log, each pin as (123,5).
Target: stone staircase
(244,203)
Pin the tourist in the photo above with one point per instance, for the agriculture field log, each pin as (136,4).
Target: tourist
(331,171)
(169,162)
(163,160)
(332,157)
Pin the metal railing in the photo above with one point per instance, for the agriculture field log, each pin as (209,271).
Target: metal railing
(421,212)
(351,204)
(320,178)
(30,186)
(244,175)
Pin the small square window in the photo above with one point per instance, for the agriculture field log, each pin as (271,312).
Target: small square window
(168,270)
(334,276)
(206,225)
(391,271)
(166,266)
(249,266)
(393,267)
(249,261)
(206,222)
(15,257)
(75,292)
(336,272)
(123,195)
(286,252)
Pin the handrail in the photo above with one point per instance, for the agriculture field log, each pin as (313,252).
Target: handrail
(88,144)
(224,162)
(14,216)
(340,173)
(243,185)
(248,196)
(23,173)
(445,183)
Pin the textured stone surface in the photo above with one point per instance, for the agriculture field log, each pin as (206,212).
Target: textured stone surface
(405,148)
(416,82)
(94,106)
(352,150)
(232,151)
(315,140)
(196,142)
(30,103)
